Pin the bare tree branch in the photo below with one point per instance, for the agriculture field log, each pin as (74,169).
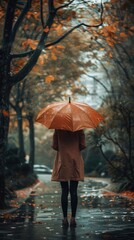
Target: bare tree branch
(117,144)
(41,14)
(20,19)
(21,55)
(97,80)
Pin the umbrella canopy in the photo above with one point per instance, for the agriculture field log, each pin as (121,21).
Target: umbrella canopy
(71,116)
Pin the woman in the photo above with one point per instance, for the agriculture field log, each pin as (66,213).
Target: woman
(68,168)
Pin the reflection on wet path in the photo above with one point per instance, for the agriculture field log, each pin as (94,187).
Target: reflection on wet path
(98,218)
(111,216)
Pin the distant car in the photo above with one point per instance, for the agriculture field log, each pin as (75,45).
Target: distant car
(42,169)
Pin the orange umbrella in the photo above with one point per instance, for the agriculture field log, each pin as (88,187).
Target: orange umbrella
(71,116)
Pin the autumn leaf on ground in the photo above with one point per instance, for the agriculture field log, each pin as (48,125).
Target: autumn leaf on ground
(7,215)
(128,194)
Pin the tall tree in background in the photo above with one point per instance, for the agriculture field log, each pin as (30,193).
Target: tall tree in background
(17,103)
(116,41)
(52,15)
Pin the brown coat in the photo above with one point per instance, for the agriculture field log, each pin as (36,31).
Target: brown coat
(68,163)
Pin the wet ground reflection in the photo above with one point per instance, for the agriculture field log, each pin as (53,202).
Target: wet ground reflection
(99,217)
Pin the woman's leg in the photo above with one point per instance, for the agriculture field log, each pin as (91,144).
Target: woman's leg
(64,198)
(74,197)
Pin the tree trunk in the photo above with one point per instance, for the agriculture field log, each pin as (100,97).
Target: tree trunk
(21,137)
(5,88)
(31,139)
(4,122)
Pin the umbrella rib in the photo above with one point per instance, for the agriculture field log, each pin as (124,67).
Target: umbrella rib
(88,114)
(71,117)
(56,114)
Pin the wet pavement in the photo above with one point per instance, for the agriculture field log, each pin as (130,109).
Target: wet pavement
(99,217)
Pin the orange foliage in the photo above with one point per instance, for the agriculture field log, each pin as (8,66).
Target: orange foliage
(53,56)
(1,14)
(110,55)
(55,51)
(102,49)
(117,27)
(18,64)
(123,34)
(35,69)
(41,60)
(31,43)
(132,28)
(59,30)
(49,78)
(60,46)
(46,29)
(35,15)
(4,112)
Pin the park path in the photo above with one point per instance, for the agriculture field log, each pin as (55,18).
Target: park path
(99,217)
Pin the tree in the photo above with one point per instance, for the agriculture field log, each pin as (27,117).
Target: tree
(52,18)
(118,108)
(113,49)
(17,103)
